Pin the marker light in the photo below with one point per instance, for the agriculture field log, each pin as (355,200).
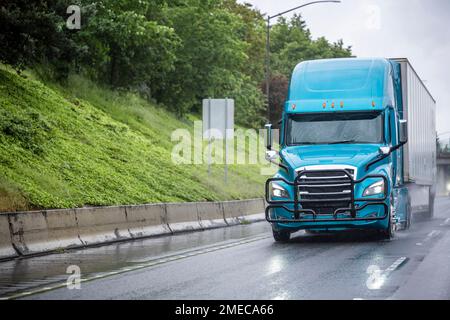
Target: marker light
(342,104)
(332,105)
(373,104)
(324,105)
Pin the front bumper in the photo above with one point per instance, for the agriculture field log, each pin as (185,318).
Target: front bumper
(288,212)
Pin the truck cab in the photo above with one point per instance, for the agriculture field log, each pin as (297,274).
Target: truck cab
(341,150)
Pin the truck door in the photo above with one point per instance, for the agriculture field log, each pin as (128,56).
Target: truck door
(400,191)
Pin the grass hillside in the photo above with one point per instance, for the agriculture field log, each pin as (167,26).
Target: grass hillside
(78,145)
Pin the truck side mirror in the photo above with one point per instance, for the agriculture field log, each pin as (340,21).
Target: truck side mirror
(403,134)
(271,155)
(269,136)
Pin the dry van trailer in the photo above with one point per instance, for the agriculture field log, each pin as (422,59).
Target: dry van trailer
(419,155)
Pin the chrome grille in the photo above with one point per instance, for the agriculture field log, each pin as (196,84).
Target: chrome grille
(331,190)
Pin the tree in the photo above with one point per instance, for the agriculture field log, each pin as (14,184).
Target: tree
(279,84)
(292,43)
(175,51)
(125,48)
(253,32)
(32,32)
(209,59)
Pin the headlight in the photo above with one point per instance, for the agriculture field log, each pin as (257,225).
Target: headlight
(374,189)
(278,191)
(448,186)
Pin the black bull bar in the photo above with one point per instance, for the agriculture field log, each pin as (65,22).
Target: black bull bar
(300,215)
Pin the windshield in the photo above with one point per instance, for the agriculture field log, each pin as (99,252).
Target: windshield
(335,128)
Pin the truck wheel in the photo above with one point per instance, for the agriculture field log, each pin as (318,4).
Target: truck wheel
(281,236)
(389,232)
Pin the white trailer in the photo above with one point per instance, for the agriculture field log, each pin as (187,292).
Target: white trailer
(419,160)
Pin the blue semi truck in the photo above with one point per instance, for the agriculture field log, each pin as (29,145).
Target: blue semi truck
(357,148)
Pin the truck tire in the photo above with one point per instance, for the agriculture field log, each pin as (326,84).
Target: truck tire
(281,236)
(389,232)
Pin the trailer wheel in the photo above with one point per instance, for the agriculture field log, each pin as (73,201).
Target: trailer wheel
(281,236)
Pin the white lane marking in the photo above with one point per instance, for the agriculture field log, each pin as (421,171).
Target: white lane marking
(141,266)
(433,233)
(429,236)
(394,266)
(446,222)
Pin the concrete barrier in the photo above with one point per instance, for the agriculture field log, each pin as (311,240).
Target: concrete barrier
(27,233)
(183,217)
(6,249)
(102,225)
(147,220)
(236,212)
(43,231)
(211,215)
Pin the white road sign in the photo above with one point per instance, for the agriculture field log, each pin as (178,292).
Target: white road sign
(218,119)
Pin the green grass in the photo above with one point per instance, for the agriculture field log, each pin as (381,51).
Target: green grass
(79,145)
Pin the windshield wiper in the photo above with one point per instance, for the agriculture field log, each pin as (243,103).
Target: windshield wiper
(343,142)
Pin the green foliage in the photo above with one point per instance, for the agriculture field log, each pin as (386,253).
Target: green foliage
(174,52)
(253,31)
(125,48)
(210,57)
(27,129)
(33,31)
(80,144)
(291,43)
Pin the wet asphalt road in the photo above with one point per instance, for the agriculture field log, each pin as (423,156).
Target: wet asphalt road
(244,262)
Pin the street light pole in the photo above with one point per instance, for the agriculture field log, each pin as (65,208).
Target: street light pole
(268,68)
(269,18)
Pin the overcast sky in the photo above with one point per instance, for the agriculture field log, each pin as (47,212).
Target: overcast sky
(416,29)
